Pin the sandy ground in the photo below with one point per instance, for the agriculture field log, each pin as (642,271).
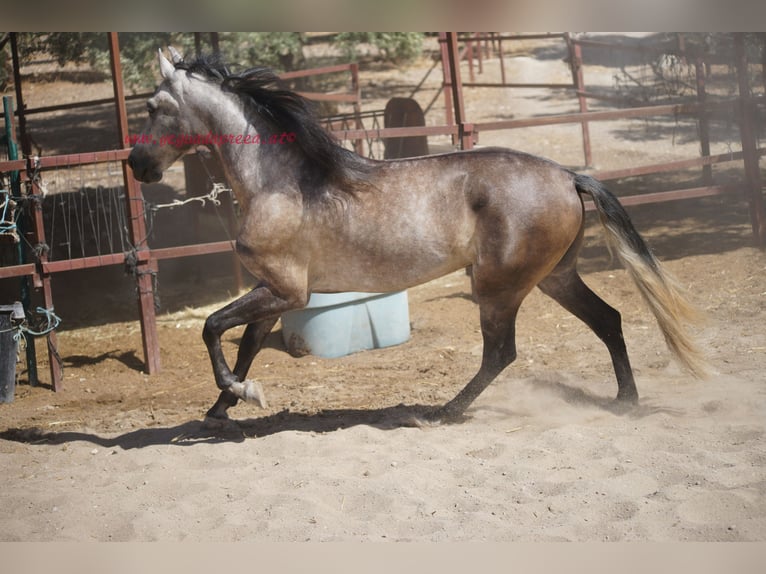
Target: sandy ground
(123,456)
(542,456)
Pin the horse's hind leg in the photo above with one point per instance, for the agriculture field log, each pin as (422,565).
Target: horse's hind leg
(575,296)
(498,327)
(250,345)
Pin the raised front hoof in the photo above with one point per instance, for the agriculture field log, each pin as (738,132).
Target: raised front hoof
(250,392)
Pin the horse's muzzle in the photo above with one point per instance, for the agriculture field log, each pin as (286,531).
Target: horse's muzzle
(142,167)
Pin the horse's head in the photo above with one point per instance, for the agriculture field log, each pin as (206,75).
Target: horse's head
(162,140)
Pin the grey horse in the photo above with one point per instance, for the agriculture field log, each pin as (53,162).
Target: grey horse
(319,218)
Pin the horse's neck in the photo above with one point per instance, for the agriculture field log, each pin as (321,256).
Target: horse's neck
(243,163)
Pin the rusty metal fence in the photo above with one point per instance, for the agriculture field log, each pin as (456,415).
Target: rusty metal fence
(745,107)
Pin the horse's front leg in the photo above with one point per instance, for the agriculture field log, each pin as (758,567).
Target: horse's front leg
(260,309)
(250,345)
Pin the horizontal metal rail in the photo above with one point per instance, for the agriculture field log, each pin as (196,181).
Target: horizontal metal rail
(672,165)
(330,97)
(673,195)
(512,85)
(65,160)
(75,105)
(648,48)
(145,95)
(192,250)
(396,132)
(79,263)
(579,117)
(544,36)
(17,271)
(316,71)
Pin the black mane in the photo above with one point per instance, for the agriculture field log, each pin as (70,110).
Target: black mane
(325,161)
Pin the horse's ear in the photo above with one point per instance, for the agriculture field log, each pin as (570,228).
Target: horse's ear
(176,57)
(166,68)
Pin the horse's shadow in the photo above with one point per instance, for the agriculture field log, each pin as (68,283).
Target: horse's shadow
(386,418)
(199,432)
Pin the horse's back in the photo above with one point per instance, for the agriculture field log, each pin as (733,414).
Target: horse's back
(495,188)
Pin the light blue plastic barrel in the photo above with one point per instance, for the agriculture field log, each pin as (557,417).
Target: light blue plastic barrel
(338,324)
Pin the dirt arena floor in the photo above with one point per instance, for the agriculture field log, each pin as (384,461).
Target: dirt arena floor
(542,455)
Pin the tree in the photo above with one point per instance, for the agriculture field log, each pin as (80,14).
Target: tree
(396,47)
(282,51)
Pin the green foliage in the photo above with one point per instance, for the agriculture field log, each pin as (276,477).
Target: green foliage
(396,47)
(282,51)
(138,50)
(64,47)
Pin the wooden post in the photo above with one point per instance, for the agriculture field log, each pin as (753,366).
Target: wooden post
(575,60)
(54,364)
(354,69)
(702,121)
(500,54)
(466,141)
(447,82)
(479,51)
(146,267)
(747,119)
(468,56)
(457,85)
(41,279)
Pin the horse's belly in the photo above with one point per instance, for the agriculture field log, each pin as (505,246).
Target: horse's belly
(387,267)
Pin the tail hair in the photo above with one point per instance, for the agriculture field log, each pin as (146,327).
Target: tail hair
(662,292)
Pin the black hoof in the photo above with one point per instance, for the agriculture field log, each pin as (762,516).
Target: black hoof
(215,418)
(624,405)
(629,398)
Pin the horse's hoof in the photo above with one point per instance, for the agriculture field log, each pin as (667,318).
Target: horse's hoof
(421,422)
(446,416)
(250,392)
(624,405)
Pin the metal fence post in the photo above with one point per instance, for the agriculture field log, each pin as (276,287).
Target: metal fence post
(146,266)
(575,61)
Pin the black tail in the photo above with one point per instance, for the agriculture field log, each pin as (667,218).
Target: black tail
(660,291)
